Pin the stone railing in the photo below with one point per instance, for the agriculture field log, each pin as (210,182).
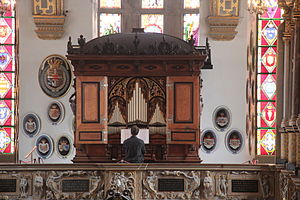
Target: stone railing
(144,181)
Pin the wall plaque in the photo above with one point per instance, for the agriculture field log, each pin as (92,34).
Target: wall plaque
(170,185)
(44,146)
(55,76)
(244,186)
(64,146)
(8,185)
(221,118)
(75,185)
(208,141)
(55,112)
(234,141)
(31,124)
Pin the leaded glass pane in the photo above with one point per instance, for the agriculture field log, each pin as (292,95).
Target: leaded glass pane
(6,111)
(10,8)
(191,27)
(7,136)
(7,63)
(152,3)
(153,23)
(110,23)
(7,35)
(268,24)
(191,3)
(266,141)
(266,87)
(110,3)
(6,85)
(268,60)
(7,79)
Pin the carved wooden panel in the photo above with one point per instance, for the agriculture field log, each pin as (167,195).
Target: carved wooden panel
(91,110)
(183,110)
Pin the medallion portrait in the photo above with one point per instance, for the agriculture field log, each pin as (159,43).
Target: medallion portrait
(31,124)
(64,146)
(44,146)
(55,112)
(234,141)
(208,141)
(55,76)
(221,118)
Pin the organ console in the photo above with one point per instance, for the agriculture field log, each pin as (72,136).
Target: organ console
(147,79)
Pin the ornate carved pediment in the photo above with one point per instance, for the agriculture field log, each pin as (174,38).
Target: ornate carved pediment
(191,182)
(223,19)
(60,185)
(49,18)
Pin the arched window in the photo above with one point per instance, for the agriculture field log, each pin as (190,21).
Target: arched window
(177,18)
(8,72)
(268,24)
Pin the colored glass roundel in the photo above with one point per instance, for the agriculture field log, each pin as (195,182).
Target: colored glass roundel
(64,146)
(44,146)
(31,124)
(55,76)
(221,118)
(266,141)
(7,140)
(234,141)
(208,141)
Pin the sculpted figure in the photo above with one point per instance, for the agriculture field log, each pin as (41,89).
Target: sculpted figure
(223,185)
(207,186)
(38,184)
(23,187)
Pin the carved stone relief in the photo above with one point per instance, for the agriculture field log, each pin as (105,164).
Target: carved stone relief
(54,185)
(221,185)
(191,183)
(121,184)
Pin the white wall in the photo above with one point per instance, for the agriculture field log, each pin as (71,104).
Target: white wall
(32,52)
(224,85)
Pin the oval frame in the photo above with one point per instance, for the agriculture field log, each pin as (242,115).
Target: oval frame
(70,146)
(228,142)
(62,112)
(219,110)
(45,82)
(37,124)
(213,148)
(47,153)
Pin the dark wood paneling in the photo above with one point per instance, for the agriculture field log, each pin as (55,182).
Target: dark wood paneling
(183,136)
(183,102)
(90,102)
(90,135)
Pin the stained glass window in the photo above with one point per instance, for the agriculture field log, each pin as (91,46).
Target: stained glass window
(110,23)
(152,3)
(110,3)
(153,23)
(7,80)
(191,27)
(191,3)
(268,23)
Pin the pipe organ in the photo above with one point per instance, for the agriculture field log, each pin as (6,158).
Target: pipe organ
(145,79)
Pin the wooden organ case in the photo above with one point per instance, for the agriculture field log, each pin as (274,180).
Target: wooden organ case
(148,79)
